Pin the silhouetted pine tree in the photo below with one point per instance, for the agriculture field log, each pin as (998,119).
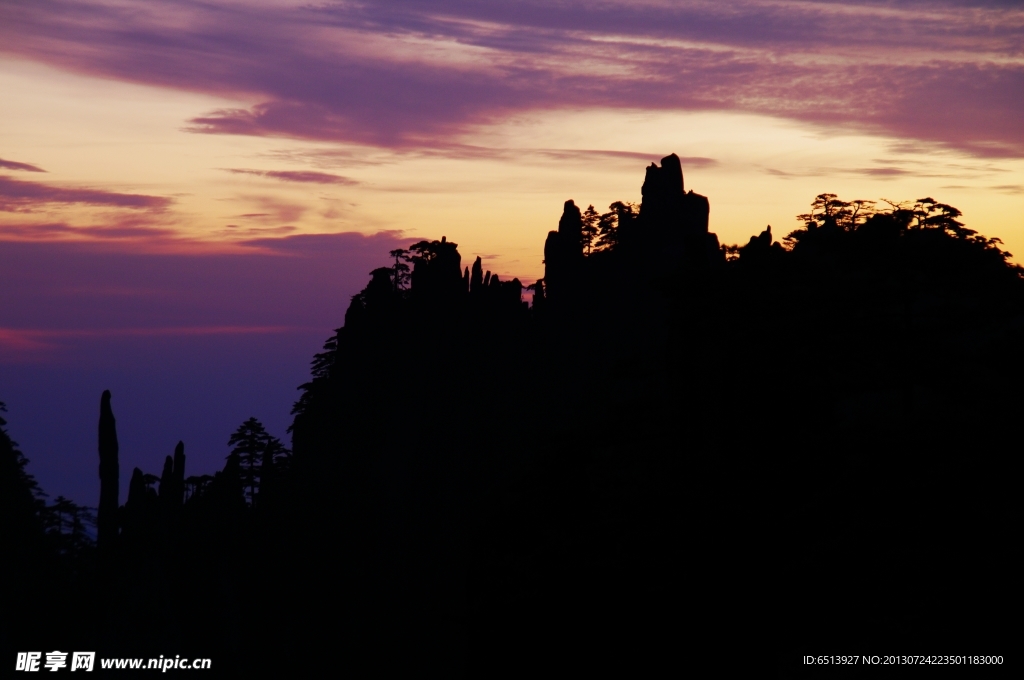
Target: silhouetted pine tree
(69,529)
(248,442)
(273,465)
(400,270)
(609,223)
(21,499)
(590,229)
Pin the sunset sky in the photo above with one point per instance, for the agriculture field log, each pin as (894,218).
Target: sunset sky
(190,192)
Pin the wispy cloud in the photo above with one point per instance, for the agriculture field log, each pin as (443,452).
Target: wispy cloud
(114,230)
(262,231)
(23,196)
(273,209)
(320,245)
(296,176)
(14,165)
(880,172)
(407,75)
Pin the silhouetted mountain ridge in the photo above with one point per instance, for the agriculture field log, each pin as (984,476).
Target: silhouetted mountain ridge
(766,446)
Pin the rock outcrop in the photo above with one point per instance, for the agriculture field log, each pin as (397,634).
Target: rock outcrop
(670,235)
(674,220)
(106,520)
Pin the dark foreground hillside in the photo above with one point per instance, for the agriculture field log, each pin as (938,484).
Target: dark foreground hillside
(680,453)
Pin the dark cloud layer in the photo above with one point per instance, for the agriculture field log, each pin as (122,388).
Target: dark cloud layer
(409,74)
(22,196)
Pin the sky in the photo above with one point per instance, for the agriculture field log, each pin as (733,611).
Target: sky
(191,192)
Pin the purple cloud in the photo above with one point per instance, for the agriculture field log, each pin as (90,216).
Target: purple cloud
(123,230)
(14,165)
(296,176)
(416,74)
(21,196)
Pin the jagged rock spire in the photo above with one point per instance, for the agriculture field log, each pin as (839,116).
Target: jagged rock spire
(106,520)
